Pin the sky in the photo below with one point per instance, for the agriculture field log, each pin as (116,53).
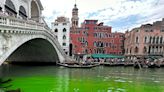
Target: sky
(122,15)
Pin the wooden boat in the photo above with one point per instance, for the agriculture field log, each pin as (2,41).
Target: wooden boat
(78,65)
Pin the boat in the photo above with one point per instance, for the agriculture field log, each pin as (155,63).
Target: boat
(78,65)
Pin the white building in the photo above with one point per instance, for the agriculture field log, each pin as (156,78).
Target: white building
(23,9)
(61,28)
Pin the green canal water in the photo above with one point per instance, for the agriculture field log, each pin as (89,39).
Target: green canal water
(98,79)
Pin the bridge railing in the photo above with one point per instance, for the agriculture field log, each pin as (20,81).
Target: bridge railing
(15,22)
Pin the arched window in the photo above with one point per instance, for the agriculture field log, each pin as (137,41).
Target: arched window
(10,8)
(144,50)
(64,30)
(157,40)
(35,13)
(150,39)
(161,40)
(0,9)
(153,39)
(86,43)
(126,50)
(56,30)
(145,39)
(64,37)
(136,39)
(22,12)
(136,50)
(95,44)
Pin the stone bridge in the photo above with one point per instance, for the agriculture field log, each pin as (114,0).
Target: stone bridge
(28,41)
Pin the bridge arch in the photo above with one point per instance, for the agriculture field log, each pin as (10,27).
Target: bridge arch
(26,40)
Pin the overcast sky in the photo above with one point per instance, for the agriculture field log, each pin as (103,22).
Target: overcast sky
(120,14)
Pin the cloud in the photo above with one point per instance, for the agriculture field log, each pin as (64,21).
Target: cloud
(120,14)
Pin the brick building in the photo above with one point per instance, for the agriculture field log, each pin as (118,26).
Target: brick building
(93,37)
(146,40)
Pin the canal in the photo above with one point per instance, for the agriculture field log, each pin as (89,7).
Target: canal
(98,79)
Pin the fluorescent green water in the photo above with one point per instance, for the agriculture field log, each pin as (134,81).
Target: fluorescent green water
(98,79)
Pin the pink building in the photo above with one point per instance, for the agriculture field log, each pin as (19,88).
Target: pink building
(146,40)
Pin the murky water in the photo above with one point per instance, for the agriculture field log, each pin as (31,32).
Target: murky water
(98,79)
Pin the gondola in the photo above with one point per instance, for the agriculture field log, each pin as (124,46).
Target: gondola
(78,65)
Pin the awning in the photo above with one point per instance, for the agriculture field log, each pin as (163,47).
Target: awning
(106,56)
(154,57)
(100,56)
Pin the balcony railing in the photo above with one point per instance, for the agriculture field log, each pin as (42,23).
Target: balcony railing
(20,23)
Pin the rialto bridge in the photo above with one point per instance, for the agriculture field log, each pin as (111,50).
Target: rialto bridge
(24,36)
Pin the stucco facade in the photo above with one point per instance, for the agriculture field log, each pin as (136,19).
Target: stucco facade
(146,40)
(95,38)
(61,28)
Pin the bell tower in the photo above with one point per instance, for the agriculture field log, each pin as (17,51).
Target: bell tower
(75,18)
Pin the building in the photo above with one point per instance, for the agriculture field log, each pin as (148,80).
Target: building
(95,38)
(75,17)
(146,40)
(23,9)
(61,28)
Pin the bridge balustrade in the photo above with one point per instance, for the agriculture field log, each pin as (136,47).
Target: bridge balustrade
(15,22)
(28,27)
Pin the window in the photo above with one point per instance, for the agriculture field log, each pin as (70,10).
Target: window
(150,39)
(56,30)
(64,23)
(87,22)
(145,39)
(146,31)
(86,43)
(136,50)
(162,30)
(126,50)
(144,50)
(121,36)
(64,44)
(56,24)
(157,40)
(149,30)
(86,28)
(95,44)
(136,39)
(153,39)
(22,12)
(161,39)
(10,8)
(64,30)
(64,37)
